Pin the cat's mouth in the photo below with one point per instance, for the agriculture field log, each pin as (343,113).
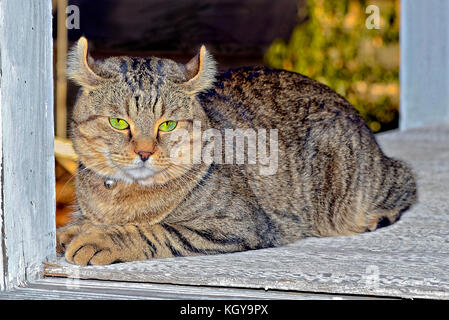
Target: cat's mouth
(140,172)
(144,173)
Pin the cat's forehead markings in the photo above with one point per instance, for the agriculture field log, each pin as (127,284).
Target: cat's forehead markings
(124,71)
(154,96)
(159,74)
(137,72)
(138,97)
(132,105)
(143,104)
(145,78)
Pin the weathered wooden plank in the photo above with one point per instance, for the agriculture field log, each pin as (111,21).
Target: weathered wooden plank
(26,108)
(57,288)
(408,259)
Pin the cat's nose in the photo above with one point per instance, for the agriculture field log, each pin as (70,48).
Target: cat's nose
(144,148)
(144,155)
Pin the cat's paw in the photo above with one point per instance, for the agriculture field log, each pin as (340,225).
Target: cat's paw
(93,246)
(64,236)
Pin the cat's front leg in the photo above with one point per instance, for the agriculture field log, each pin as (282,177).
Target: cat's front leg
(106,244)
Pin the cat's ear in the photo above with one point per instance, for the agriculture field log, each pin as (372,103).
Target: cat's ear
(200,72)
(78,68)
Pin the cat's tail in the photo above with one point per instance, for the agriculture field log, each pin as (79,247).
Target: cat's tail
(396,193)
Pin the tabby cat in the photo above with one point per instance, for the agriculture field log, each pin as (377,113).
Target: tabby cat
(136,202)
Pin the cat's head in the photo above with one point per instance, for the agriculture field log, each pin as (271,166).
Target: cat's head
(129,109)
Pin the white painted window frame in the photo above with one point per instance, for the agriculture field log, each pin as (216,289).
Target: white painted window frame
(27,188)
(424,80)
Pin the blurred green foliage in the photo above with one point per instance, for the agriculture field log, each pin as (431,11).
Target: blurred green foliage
(334,46)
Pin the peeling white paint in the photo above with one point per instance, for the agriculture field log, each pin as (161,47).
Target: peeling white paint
(26,140)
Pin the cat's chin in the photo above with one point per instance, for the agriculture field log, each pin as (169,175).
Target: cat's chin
(144,176)
(141,173)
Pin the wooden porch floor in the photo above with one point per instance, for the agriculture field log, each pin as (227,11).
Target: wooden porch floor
(407,260)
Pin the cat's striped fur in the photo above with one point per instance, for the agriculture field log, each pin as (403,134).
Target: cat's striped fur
(332,177)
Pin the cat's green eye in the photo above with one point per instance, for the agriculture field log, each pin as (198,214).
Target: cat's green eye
(168,125)
(118,124)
